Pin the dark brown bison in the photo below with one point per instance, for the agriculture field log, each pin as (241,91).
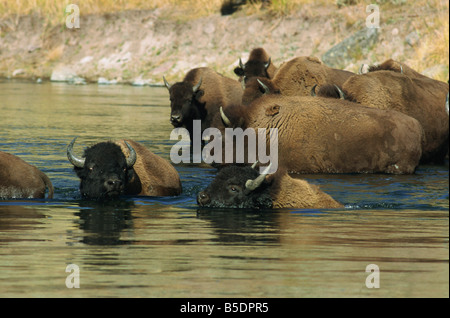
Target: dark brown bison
(109,169)
(244,187)
(415,95)
(259,64)
(316,135)
(199,96)
(20,180)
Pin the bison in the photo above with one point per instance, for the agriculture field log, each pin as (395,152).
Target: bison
(298,76)
(315,135)
(259,64)
(244,187)
(415,95)
(20,180)
(199,96)
(109,169)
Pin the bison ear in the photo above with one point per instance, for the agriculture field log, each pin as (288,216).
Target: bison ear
(198,94)
(239,71)
(273,110)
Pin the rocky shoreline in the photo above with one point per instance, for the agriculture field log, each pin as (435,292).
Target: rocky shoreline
(139,47)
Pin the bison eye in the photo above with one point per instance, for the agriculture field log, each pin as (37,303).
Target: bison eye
(91,169)
(234,189)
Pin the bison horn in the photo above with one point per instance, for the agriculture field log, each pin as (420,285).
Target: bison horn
(313,90)
(77,162)
(266,89)
(266,65)
(241,65)
(341,93)
(254,184)
(254,164)
(166,83)
(196,87)
(446,105)
(225,119)
(363,69)
(131,160)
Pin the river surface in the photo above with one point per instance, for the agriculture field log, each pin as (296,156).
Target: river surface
(166,247)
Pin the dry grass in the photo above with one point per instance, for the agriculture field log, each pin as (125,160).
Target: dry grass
(53,11)
(433,30)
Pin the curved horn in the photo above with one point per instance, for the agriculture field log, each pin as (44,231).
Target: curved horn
(341,93)
(131,160)
(241,65)
(77,162)
(266,65)
(266,89)
(225,119)
(196,87)
(254,184)
(166,83)
(254,164)
(364,69)
(313,90)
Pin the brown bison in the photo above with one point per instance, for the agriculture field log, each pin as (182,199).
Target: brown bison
(199,96)
(109,169)
(415,95)
(20,180)
(259,64)
(297,77)
(315,135)
(244,187)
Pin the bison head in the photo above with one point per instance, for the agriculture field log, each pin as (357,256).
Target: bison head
(253,68)
(237,187)
(104,171)
(184,99)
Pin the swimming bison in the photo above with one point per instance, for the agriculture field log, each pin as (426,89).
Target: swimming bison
(244,187)
(20,180)
(109,169)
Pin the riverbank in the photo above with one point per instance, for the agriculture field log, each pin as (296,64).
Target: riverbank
(140,46)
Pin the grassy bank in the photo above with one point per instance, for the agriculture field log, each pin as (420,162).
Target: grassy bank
(274,26)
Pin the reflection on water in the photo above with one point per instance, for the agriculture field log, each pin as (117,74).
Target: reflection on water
(167,247)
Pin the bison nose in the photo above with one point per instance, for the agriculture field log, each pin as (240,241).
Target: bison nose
(113,184)
(175,118)
(203,198)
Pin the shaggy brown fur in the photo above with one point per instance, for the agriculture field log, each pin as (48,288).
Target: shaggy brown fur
(315,135)
(154,176)
(417,96)
(19,179)
(288,192)
(298,76)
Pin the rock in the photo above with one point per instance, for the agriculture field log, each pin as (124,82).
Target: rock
(412,38)
(104,81)
(19,71)
(341,54)
(62,74)
(86,59)
(76,80)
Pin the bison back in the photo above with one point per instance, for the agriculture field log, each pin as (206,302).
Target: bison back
(320,135)
(154,176)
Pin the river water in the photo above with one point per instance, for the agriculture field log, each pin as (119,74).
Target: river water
(166,247)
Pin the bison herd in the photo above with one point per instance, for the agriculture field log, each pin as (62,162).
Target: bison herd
(388,118)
